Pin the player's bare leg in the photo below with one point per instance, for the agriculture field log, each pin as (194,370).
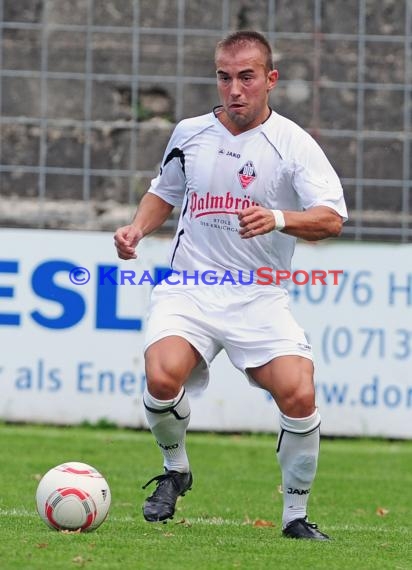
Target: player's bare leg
(169,362)
(290,381)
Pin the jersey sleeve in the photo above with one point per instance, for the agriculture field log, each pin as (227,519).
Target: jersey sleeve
(316,182)
(170,183)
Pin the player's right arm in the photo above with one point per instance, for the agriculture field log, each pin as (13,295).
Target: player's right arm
(166,191)
(152,212)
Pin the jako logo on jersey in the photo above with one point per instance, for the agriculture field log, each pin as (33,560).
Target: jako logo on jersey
(247,174)
(229,153)
(209,204)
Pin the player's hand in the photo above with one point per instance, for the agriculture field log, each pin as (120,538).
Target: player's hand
(255,221)
(126,239)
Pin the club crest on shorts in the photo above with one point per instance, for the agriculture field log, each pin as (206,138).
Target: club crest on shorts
(247,174)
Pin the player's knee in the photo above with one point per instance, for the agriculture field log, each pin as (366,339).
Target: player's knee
(162,382)
(163,388)
(299,404)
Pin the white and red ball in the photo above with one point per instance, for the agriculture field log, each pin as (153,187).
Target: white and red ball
(73,496)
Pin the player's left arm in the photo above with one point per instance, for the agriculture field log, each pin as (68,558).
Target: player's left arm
(316,223)
(322,209)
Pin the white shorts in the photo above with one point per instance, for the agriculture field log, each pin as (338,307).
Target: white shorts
(252,323)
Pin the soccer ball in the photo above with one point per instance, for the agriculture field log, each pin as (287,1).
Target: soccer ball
(73,496)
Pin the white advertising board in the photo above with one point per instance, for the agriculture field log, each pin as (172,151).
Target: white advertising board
(71,351)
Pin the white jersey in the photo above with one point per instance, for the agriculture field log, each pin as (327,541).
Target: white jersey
(212,174)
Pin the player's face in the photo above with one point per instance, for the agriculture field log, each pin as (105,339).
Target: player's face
(243,84)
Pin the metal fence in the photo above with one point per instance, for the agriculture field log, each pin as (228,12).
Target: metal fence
(346,74)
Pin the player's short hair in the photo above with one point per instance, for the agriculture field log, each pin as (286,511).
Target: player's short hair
(244,38)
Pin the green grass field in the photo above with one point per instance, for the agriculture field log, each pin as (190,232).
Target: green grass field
(231,518)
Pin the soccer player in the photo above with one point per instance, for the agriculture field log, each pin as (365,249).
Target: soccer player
(249,182)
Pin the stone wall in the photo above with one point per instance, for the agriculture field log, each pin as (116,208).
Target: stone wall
(107,99)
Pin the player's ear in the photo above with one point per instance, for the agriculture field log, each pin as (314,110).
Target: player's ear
(272,78)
